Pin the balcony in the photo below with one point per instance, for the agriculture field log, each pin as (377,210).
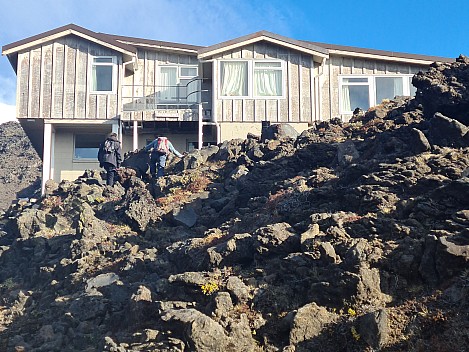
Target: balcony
(185,95)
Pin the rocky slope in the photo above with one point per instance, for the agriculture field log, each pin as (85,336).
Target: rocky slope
(348,237)
(20,166)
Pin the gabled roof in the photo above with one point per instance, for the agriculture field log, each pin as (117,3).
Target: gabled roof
(99,38)
(11,50)
(380,54)
(318,52)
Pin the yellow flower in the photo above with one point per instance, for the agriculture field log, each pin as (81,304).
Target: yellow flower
(209,288)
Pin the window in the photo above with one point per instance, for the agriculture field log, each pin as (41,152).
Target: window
(355,93)
(259,78)
(188,72)
(366,91)
(234,78)
(86,145)
(267,79)
(388,88)
(177,84)
(102,74)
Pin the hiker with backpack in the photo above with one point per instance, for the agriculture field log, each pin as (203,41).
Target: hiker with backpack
(110,157)
(160,148)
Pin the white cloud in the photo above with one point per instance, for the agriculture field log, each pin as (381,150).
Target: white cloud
(7,112)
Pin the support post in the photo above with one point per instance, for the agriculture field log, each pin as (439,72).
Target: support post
(47,156)
(201,132)
(135,136)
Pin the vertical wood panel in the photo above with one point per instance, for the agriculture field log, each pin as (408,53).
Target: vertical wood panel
(236,54)
(357,67)
(391,68)
(368,67)
(102,106)
(380,68)
(271,51)
(139,77)
(92,105)
(238,110)
(23,83)
(228,110)
(306,100)
(259,50)
(247,52)
(334,83)
(35,84)
(259,111)
(149,91)
(271,110)
(294,88)
(46,88)
(346,65)
(112,109)
(81,88)
(69,79)
(58,83)
(284,103)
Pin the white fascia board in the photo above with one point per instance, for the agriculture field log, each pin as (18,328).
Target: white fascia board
(380,57)
(161,47)
(63,34)
(258,39)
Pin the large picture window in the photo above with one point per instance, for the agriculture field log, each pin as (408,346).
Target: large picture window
(86,146)
(254,79)
(366,91)
(102,74)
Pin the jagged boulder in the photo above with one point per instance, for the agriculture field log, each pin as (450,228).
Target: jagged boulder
(443,88)
(279,131)
(309,321)
(447,132)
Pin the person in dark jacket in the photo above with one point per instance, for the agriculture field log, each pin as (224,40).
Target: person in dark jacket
(160,148)
(110,157)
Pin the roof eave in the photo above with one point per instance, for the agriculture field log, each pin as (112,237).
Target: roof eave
(317,52)
(384,57)
(67,30)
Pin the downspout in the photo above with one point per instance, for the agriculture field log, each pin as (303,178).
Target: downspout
(319,92)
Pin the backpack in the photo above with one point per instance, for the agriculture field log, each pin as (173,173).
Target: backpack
(162,145)
(108,146)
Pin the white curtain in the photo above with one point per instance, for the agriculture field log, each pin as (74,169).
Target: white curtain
(168,82)
(94,77)
(346,98)
(398,87)
(234,78)
(267,82)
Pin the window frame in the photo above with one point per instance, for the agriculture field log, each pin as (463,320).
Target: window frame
(179,78)
(102,137)
(406,83)
(113,65)
(250,80)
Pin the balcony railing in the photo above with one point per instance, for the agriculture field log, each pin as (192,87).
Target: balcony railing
(153,97)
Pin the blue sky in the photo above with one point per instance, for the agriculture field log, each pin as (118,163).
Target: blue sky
(437,28)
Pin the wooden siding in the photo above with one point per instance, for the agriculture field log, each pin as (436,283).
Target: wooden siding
(338,65)
(297,104)
(53,81)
